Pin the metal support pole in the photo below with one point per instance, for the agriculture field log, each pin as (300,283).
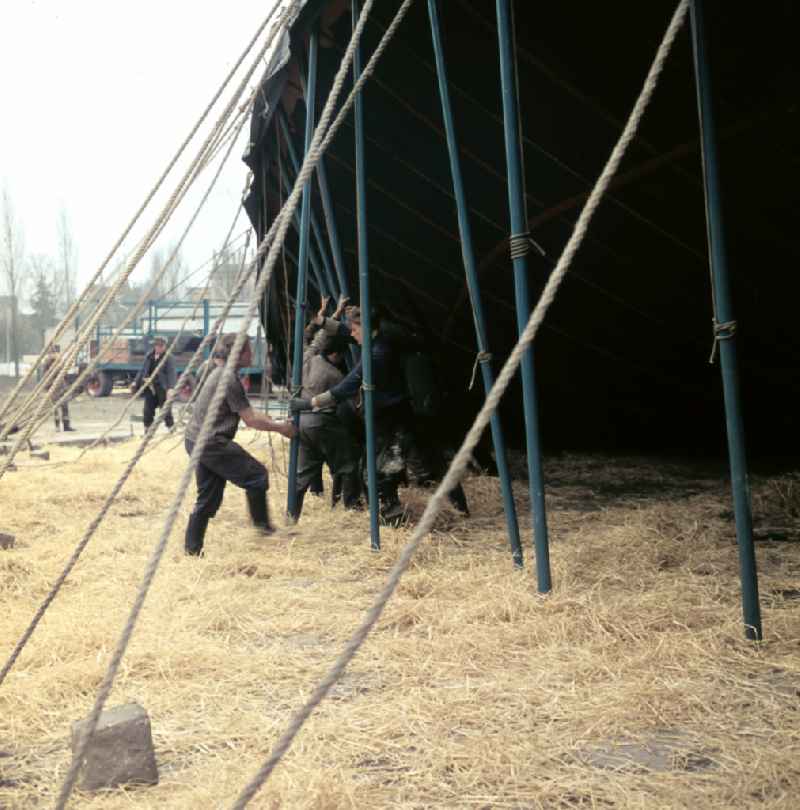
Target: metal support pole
(327,209)
(725,325)
(470,268)
(302,268)
(330,281)
(317,271)
(332,228)
(516,204)
(363,281)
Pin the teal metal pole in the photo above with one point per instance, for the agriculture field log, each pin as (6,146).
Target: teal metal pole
(470,268)
(725,325)
(318,273)
(516,204)
(327,210)
(330,280)
(332,228)
(302,269)
(363,281)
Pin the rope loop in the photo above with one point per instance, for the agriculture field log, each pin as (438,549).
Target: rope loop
(365,387)
(724,330)
(520,244)
(480,357)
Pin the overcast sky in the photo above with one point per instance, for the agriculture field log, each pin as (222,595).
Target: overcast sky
(97,96)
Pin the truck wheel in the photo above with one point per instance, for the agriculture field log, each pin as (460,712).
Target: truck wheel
(99,384)
(186,390)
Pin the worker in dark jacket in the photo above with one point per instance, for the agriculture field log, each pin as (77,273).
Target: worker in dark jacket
(222,459)
(323,437)
(156,393)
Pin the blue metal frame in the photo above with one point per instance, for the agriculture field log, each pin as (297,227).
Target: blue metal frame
(318,273)
(725,326)
(363,280)
(328,211)
(302,270)
(470,268)
(330,225)
(516,203)
(330,280)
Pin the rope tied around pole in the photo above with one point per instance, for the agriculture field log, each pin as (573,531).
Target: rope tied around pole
(724,330)
(480,357)
(367,387)
(520,245)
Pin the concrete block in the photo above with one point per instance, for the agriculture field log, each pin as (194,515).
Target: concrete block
(7,540)
(121,751)
(42,455)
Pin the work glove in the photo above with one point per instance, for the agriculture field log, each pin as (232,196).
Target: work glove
(298,405)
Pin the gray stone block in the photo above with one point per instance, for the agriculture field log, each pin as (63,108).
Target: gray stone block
(7,540)
(121,751)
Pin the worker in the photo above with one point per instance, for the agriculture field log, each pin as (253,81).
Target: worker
(61,413)
(222,459)
(160,387)
(323,437)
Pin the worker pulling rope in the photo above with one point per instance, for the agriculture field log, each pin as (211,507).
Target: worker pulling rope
(464,454)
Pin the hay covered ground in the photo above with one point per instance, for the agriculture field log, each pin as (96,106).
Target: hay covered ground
(631,685)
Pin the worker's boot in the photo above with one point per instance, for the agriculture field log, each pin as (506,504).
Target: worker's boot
(336,489)
(67,425)
(58,424)
(195,533)
(458,498)
(351,490)
(294,516)
(259,510)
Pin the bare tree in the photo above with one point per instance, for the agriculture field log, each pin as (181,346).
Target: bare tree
(12,258)
(67,262)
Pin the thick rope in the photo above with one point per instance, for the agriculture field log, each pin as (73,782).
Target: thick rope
(67,319)
(126,474)
(140,451)
(55,376)
(319,142)
(188,178)
(464,454)
(192,314)
(203,158)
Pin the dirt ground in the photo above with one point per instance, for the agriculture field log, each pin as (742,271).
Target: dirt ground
(630,685)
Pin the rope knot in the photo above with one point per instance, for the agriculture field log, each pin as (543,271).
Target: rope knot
(365,387)
(724,330)
(520,244)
